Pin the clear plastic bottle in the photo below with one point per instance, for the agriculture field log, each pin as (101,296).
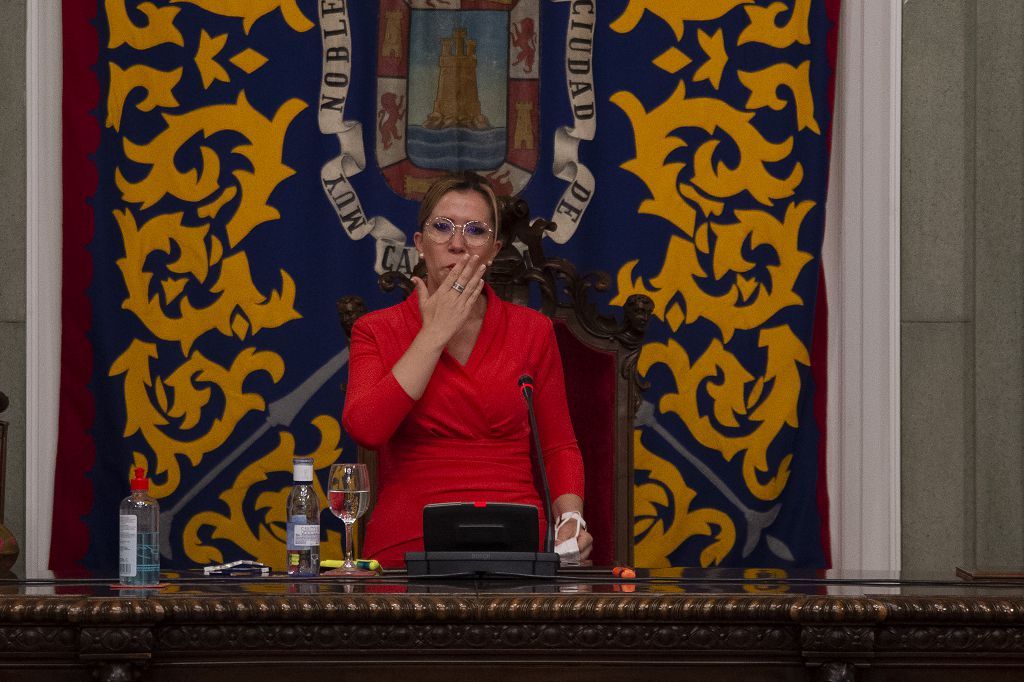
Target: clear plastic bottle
(139,523)
(303,557)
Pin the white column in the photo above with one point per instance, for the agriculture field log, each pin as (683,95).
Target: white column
(861,253)
(43,253)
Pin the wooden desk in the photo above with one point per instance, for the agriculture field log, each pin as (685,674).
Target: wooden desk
(678,625)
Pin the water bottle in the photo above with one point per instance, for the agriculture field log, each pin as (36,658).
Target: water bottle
(303,556)
(139,522)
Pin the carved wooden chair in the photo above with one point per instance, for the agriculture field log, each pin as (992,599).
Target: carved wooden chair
(599,355)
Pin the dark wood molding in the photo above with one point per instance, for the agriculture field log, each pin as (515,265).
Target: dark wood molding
(198,636)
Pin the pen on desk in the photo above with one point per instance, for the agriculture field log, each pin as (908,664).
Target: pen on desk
(241,567)
(365,564)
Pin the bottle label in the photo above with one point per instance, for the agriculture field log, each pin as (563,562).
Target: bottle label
(129,527)
(303,535)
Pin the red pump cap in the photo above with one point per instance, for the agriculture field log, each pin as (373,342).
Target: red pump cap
(140,482)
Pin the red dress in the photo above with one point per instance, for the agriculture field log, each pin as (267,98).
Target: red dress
(468,437)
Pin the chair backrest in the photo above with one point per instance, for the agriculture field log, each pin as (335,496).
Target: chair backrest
(599,355)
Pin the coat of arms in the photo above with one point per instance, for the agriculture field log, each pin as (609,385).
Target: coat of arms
(457,89)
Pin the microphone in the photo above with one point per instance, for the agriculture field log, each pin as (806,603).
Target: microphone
(526,388)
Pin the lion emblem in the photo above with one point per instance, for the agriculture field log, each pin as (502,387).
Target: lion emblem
(388,118)
(524,39)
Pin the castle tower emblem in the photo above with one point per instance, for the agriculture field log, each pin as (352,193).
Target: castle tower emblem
(457,103)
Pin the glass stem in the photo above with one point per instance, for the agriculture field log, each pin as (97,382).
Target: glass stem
(349,562)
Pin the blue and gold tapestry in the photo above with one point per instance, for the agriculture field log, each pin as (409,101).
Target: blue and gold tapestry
(232,167)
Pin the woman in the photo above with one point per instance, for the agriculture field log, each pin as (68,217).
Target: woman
(433,386)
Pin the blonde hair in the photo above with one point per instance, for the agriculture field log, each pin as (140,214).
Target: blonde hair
(459,182)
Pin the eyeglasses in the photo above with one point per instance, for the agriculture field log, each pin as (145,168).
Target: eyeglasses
(440,230)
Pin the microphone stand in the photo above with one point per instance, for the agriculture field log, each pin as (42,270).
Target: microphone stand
(549,536)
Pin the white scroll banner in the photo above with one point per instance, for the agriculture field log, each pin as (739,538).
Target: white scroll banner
(579,82)
(391,253)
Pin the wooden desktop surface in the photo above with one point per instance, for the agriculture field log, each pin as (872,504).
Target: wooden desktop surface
(678,624)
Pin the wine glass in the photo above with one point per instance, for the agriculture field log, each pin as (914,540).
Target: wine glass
(349,497)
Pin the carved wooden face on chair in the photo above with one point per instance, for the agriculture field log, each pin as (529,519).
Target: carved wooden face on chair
(460,207)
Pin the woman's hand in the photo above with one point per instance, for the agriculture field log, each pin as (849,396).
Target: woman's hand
(572,503)
(445,310)
(585,540)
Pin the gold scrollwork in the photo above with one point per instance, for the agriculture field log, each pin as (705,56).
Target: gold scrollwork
(158,29)
(184,397)
(748,303)
(655,140)
(251,11)
(709,271)
(209,70)
(663,518)
(263,152)
(185,271)
(714,47)
(265,540)
(750,411)
(764,86)
(675,13)
(159,87)
(765,29)
(240,307)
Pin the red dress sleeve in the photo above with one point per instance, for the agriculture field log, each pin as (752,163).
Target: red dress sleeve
(375,403)
(562,457)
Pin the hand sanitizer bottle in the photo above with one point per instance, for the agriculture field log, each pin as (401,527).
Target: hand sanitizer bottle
(139,561)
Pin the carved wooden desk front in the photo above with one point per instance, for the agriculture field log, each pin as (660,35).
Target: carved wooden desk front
(679,625)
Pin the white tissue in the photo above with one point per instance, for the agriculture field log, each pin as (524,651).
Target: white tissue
(568,552)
